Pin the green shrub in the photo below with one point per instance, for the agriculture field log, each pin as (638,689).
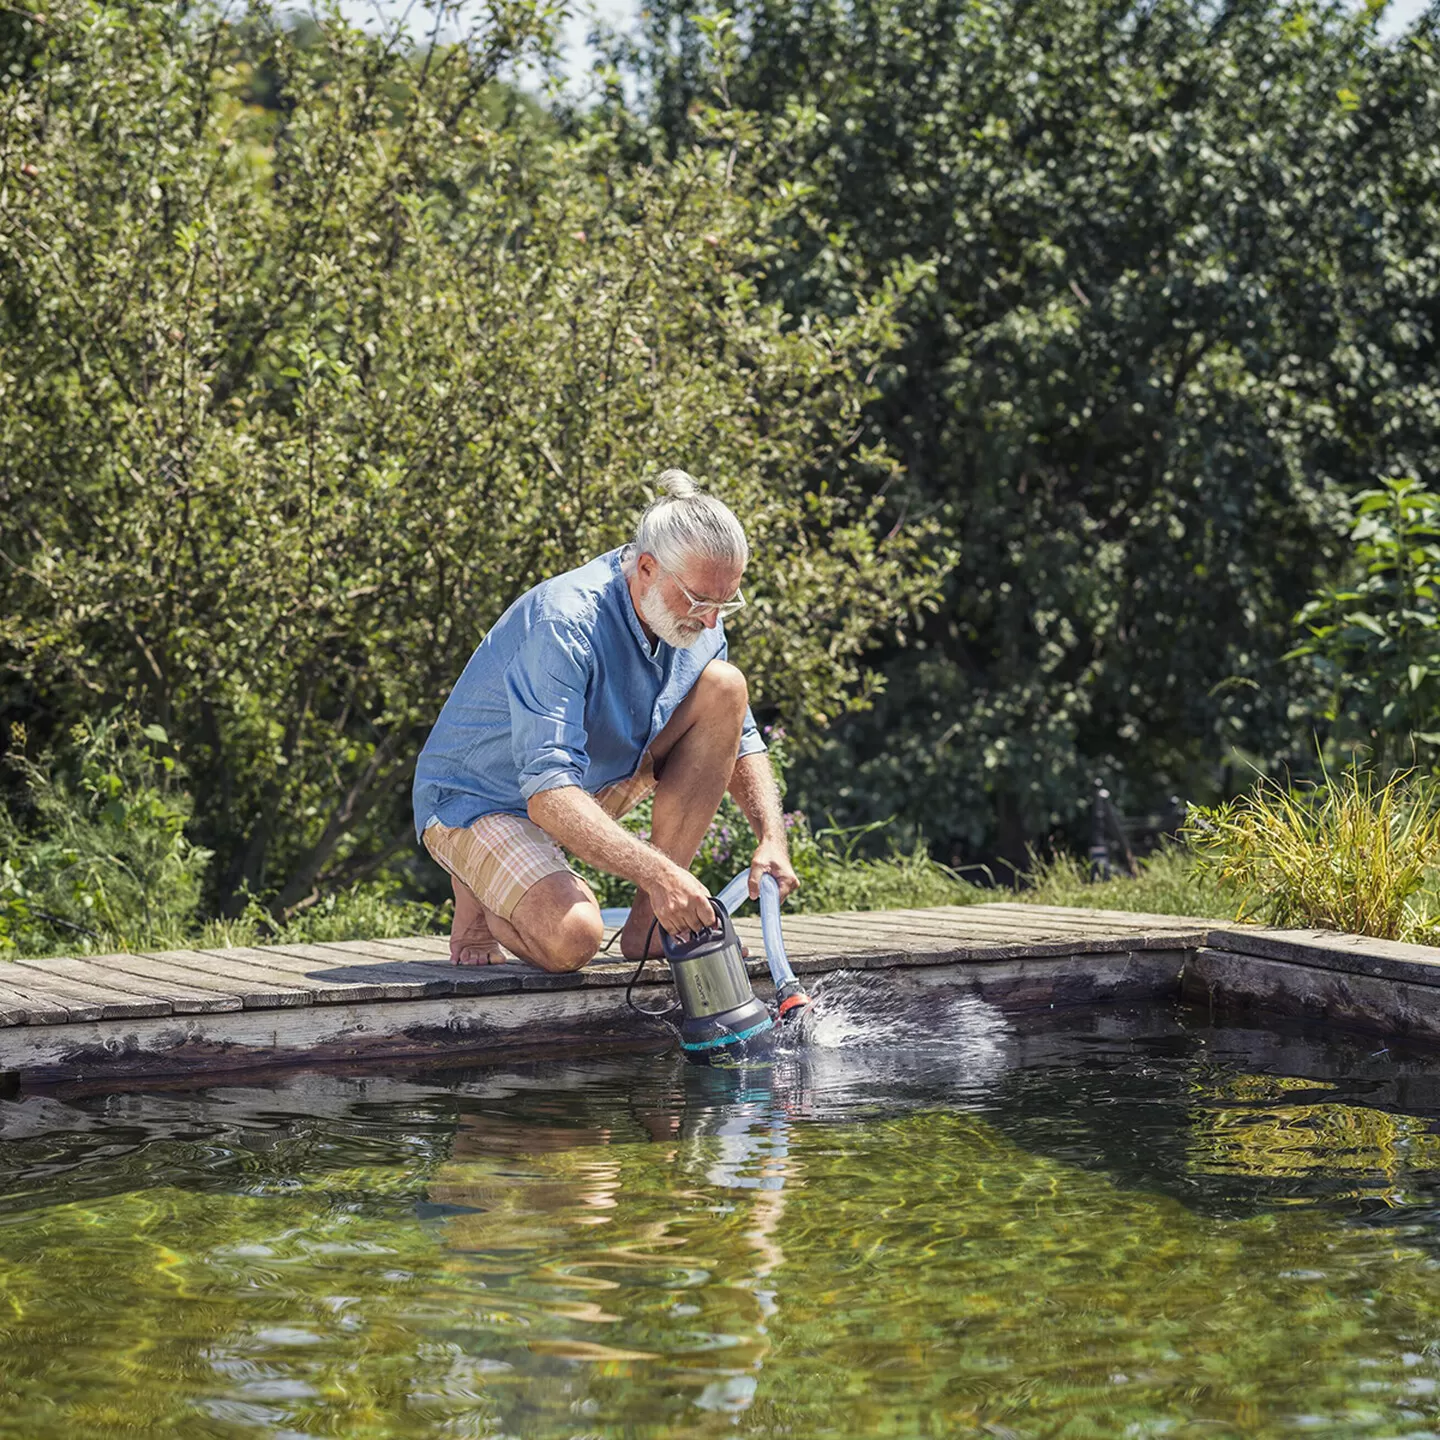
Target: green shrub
(373,911)
(103,862)
(1374,639)
(1351,854)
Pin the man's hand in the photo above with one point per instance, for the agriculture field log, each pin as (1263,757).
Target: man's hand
(772,857)
(682,904)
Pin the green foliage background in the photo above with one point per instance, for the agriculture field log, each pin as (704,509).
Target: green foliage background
(1049,353)
(300,394)
(1178,307)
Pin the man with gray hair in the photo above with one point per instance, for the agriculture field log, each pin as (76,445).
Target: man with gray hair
(593,690)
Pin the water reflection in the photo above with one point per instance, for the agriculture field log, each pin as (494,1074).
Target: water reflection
(923,1221)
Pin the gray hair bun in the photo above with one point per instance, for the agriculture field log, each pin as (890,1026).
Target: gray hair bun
(682,523)
(678,484)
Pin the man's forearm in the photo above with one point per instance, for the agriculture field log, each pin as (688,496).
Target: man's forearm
(573,817)
(752,783)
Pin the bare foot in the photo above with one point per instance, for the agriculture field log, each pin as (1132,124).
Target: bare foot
(475,955)
(471,942)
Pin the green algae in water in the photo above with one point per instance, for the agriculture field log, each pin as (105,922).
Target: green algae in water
(1102,1236)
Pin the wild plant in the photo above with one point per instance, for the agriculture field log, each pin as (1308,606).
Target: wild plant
(1350,852)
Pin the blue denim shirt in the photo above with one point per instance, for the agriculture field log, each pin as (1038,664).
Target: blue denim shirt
(564,690)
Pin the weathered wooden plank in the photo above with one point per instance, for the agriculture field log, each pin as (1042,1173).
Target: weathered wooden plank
(884,928)
(398,979)
(117,972)
(163,972)
(482,979)
(259,987)
(1136,917)
(331,981)
(1016,919)
(361,951)
(605,972)
(1006,930)
(804,940)
(42,1009)
(438,976)
(805,937)
(901,947)
(933,949)
(13,1010)
(967,930)
(436,946)
(82,999)
(1101,922)
(332,977)
(361,963)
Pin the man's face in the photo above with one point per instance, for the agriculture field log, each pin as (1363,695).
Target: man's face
(668,609)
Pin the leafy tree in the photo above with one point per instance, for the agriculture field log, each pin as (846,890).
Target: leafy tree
(299,395)
(1179,301)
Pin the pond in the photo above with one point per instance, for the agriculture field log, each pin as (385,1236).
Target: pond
(934,1222)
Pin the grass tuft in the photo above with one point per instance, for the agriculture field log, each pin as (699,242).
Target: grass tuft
(1168,884)
(1350,854)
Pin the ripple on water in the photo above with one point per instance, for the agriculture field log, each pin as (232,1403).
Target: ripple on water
(916,1218)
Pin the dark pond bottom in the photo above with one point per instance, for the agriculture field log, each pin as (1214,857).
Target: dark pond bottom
(930,1222)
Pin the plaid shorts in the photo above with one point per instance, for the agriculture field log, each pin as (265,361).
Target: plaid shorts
(500,857)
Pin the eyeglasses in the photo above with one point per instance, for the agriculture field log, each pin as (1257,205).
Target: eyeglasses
(722,608)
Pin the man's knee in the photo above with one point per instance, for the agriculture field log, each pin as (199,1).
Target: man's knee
(574,942)
(725,685)
(561,923)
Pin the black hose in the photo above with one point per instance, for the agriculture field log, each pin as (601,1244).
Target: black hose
(663,1016)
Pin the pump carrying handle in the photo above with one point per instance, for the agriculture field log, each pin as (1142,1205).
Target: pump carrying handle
(678,949)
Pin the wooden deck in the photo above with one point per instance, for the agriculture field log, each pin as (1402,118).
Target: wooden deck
(191,1012)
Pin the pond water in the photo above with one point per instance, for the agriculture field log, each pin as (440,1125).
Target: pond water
(1127,1223)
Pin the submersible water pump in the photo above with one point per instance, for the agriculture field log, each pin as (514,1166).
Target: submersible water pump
(721,1016)
(720,1009)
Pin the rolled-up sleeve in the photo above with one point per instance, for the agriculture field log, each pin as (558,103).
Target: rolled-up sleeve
(546,682)
(750,741)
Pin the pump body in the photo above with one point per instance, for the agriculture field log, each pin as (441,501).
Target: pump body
(721,1013)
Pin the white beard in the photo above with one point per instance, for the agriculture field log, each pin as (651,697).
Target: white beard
(682,634)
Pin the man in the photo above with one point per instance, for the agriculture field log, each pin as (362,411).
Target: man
(593,690)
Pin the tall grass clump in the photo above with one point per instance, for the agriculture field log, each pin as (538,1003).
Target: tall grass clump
(1169,883)
(1349,853)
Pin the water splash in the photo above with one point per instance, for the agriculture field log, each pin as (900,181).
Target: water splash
(850,1012)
